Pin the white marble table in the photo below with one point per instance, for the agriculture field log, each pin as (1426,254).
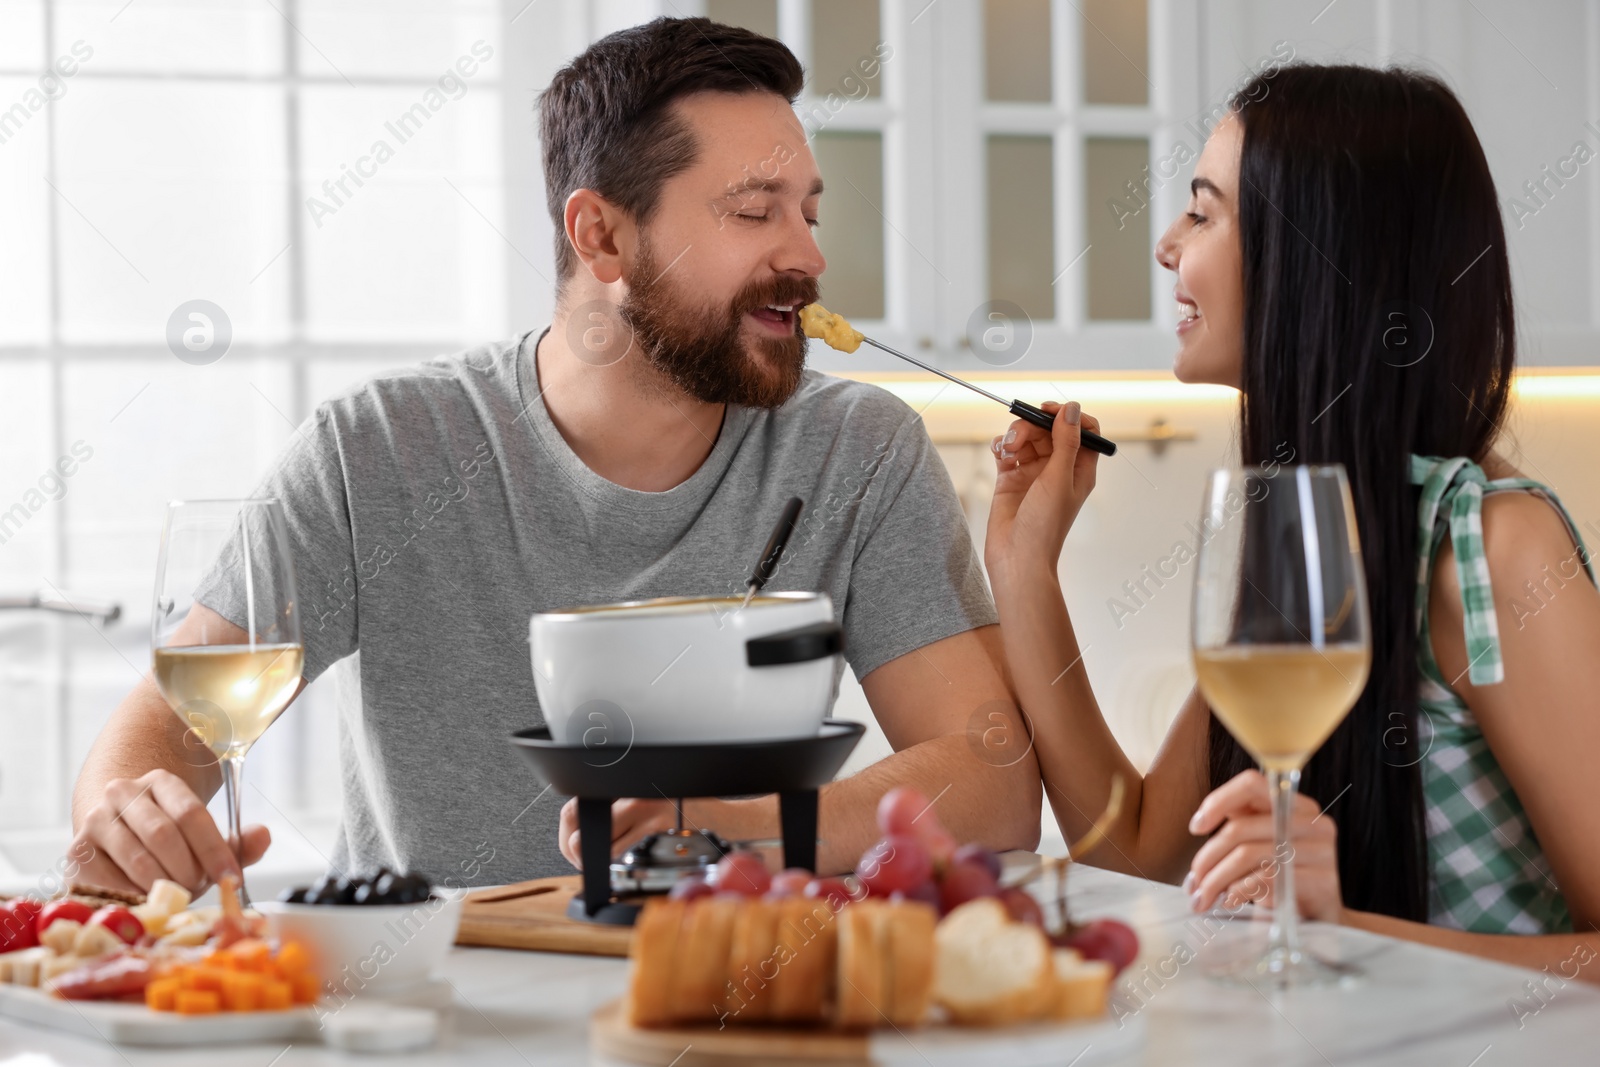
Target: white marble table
(1416,1006)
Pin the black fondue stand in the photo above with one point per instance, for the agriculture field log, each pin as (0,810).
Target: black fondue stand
(795,769)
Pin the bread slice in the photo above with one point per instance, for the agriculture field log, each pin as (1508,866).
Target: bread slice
(1082,986)
(990,970)
(752,962)
(700,971)
(908,943)
(807,935)
(655,942)
(862,1000)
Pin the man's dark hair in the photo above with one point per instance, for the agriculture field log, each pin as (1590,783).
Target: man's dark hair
(606,123)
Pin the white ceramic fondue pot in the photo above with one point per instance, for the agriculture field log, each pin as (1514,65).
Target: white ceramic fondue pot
(680,670)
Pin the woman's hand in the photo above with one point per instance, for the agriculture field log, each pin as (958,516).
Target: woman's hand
(1043,480)
(1238,863)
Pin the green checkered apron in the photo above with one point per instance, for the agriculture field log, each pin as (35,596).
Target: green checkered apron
(1488,873)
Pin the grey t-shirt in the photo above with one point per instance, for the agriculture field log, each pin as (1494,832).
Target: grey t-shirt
(432,510)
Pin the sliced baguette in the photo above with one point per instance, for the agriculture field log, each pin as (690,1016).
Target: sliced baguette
(991,971)
(808,949)
(1082,986)
(655,943)
(752,962)
(909,956)
(700,976)
(862,1001)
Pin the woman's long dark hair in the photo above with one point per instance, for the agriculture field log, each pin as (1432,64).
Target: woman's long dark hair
(1377,324)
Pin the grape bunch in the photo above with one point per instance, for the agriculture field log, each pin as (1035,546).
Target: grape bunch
(741,874)
(918,859)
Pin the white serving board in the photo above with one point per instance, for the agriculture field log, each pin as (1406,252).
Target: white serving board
(360,1026)
(1080,1044)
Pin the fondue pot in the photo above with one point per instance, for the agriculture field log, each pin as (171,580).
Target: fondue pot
(683,670)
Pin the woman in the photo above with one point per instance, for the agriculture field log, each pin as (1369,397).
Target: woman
(1460,804)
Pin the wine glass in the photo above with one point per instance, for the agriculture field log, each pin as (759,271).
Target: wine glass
(1282,649)
(225,630)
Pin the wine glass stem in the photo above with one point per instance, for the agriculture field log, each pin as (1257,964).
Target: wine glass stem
(232,784)
(1285,933)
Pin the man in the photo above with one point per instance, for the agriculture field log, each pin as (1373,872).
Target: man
(642,446)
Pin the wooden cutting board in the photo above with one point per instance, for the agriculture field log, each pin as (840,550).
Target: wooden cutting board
(610,1034)
(1082,1044)
(533,915)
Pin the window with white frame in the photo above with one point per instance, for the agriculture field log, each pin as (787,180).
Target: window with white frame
(328,176)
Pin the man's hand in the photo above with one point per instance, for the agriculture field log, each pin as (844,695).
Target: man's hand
(630,821)
(155,826)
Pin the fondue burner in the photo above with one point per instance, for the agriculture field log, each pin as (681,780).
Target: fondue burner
(795,769)
(660,861)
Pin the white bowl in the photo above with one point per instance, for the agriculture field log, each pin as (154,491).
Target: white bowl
(685,669)
(369,948)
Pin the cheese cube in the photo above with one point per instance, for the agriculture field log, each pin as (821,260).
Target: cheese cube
(167,898)
(154,918)
(95,941)
(61,935)
(56,964)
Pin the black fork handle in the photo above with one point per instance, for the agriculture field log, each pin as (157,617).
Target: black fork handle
(1044,420)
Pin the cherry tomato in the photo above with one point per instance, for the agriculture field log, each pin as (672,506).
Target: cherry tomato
(120,921)
(75,910)
(17,924)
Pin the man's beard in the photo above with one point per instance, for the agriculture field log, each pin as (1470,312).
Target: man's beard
(701,351)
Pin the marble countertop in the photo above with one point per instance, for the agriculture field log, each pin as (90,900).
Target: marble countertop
(1416,1005)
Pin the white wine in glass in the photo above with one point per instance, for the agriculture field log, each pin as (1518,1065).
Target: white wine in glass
(1282,650)
(225,630)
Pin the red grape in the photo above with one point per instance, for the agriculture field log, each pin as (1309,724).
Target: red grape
(790,882)
(1106,939)
(691,889)
(978,854)
(926,893)
(939,842)
(899,861)
(833,890)
(899,808)
(1022,907)
(743,872)
(964,882)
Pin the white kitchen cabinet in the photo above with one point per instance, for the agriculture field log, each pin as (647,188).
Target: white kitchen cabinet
(1020,190)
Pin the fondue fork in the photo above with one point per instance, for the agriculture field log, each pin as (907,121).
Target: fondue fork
(775,545)
(1023,410)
